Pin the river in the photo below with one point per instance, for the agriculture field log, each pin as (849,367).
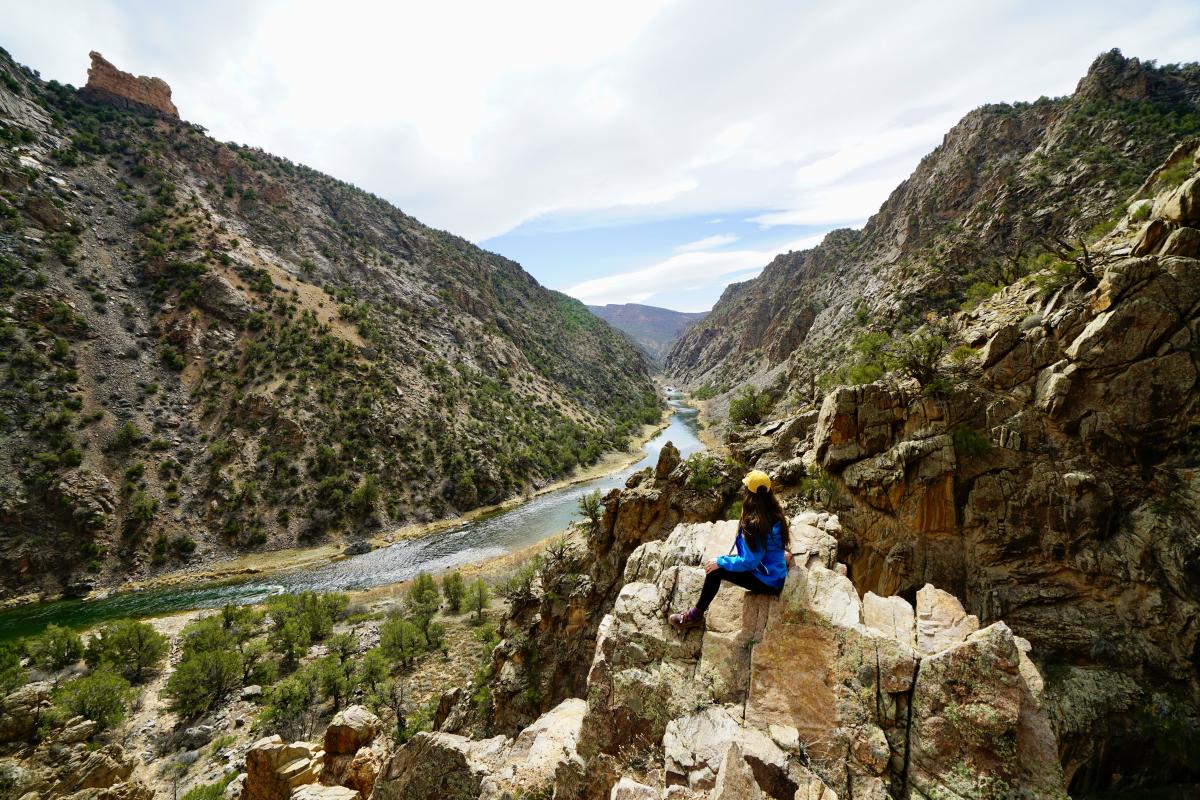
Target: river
(473,541)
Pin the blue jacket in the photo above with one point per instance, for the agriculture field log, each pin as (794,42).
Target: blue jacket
(768,565)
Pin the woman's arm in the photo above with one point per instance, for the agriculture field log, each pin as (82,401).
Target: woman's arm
(746,559)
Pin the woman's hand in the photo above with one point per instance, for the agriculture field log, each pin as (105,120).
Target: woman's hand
(710,566)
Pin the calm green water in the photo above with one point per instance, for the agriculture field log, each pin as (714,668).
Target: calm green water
(470,542)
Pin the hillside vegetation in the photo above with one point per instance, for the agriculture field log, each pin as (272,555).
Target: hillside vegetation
(208,348)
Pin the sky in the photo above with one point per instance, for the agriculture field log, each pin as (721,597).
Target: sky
(645,151)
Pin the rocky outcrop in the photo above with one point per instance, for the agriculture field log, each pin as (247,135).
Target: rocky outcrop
(220,298)
(72,770)
(786,697)
(108,84)
(274,768)
(351,728)
(1003,180)
(456,768)
(350,759)
(1054,487)
(21,711)
(550,632)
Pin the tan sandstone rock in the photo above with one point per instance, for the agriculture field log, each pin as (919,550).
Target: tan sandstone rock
(274,768)
(892,616)
(107,83)
(941,621)
(735,781)
(976,729)
(629,789)
(351,728)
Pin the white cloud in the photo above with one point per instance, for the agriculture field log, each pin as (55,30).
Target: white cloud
(476,117)
(707,243)
(682,272)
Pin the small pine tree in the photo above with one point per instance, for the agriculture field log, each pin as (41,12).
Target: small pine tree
(101,696)
(478,598)
(401,640)
(130,648)
(54,648)
(591,509)
(422,601)
(454,589)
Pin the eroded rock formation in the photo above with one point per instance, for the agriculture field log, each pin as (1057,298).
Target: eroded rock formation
(108,84)
(550,632)
(790,697)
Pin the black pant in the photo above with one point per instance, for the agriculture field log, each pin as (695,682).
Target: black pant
(712,582)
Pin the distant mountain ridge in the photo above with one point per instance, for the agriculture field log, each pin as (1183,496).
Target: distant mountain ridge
(654,329)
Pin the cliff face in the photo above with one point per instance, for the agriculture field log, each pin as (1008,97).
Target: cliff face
(208,349)
(816,694)
(108,84)
(1005,181)
(1037,458)
(1048,479)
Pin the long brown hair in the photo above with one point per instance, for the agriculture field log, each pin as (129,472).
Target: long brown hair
(760,512)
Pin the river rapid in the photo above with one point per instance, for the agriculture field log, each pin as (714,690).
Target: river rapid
(471,542)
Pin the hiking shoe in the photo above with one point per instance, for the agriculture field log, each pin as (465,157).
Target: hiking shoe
(689,619)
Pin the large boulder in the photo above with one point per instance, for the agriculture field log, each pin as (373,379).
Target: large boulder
(1182,206)
(977,730)
(351,728)
(219,297)
(21,710)
(274,768)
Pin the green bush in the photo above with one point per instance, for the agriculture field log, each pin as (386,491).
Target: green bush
(130,648)
(969,442)
(918,356)
(126,438)
(363,498)
(401,640)
(210,666)
(517,589)
(101,696)
(292,706)
(703,472)
(454,590)
(210,791)
(978,292)
(311,614)
(750,407)
(478,598)
(591,509)
(54,648)
(422,601)
(12,674)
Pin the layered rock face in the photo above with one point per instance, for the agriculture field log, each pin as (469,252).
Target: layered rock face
(812,695)
(343,768)
(137,92)
(1075,519)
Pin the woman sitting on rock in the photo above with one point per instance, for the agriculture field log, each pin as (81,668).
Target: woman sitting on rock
(762,559)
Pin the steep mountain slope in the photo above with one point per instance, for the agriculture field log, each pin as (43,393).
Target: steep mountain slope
(208,348)
(654,329)
(975,215)
(1031,446)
